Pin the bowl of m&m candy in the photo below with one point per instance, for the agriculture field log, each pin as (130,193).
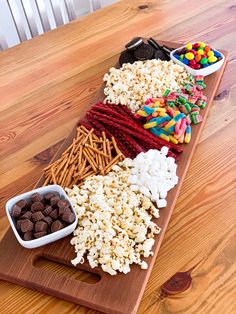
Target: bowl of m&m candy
(198,58)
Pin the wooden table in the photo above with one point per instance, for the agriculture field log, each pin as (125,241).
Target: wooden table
(43,84)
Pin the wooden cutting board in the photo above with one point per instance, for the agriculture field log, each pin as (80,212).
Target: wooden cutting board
(118,294)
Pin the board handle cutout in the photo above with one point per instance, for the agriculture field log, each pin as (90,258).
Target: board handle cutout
(60,280)
(62,269)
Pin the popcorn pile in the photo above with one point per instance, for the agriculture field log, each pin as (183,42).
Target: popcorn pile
(114,223)
(154,174)
(133,84)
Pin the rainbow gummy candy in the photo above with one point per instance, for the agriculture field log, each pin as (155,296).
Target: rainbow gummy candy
(170,117)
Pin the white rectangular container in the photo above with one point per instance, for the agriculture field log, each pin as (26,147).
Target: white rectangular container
(47,238)
(205,71)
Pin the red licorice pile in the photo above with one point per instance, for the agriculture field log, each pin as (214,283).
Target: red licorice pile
(131,137)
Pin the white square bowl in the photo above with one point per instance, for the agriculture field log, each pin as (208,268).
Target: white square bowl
(47,238)
(204,71)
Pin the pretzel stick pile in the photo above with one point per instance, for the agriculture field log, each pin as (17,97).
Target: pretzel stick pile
(87,155)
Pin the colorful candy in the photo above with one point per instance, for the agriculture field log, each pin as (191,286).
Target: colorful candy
(187,137)
(204,61)
(189,46)
(170,117)
(202,44)
(200,52)
(217,54)
(166,93)
(210,53)
(197,55)
(189,56)
(212,59)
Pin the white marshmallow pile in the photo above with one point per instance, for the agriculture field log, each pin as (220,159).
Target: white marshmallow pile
(133,84)
(154,174)
(114,222)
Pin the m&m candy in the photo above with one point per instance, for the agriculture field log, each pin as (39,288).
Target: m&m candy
(204,61)
(217,54)
(189,56)
(200,52)
(189,46)
(210,53)
(198,58)
(212,59)
(192,62)
(185,61)
(202,44)
(196,46)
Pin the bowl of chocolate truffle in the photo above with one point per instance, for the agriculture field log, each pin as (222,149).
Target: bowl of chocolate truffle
(41,216)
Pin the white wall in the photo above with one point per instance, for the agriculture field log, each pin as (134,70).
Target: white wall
(7,27)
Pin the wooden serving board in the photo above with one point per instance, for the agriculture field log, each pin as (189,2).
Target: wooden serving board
(118,294)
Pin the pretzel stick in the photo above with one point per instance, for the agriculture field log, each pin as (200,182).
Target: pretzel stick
(96,155)
(95,136)
(79,179)
(73,159)
(79,138)
(69,176)
(87,136)
(87,169)
(50,165)
(115,146)
(103,163)
(111,163)
(100,166)
(109,149)
(90,153)
(84,133)
(88,174)
(91,157)
(78,144)
(78,132)
(76,156)
(68,148)
(96,144)
(91,161)
(63,179)
(80,154)
(53,176)
(47,181)
(105,146)
(92,145)
(55,165)
(58,169)
(63,174)
(96,150)
(81,170)
(90,139)
(84,129)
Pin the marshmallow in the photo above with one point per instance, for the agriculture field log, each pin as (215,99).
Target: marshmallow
(155,175)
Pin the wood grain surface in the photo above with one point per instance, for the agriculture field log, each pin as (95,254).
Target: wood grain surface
(109,293)
(45,82)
